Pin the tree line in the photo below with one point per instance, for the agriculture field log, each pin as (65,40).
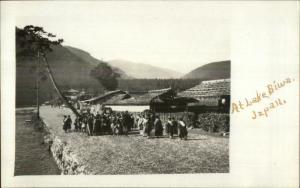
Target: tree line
(151,84)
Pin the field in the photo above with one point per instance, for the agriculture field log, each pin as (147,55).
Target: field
(135,154)
(29,141)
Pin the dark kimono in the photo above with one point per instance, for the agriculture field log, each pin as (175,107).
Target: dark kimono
(158,127)
(173,129)
(148,127)
(126,123)
(67,124)
(97,127)
(76,124)
(91,124)
(167,127)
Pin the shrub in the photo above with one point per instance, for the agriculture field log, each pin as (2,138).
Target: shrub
(213,122)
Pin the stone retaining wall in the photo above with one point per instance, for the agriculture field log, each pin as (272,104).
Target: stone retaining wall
(65,159)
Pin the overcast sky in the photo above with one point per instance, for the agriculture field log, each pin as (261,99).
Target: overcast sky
(177,35)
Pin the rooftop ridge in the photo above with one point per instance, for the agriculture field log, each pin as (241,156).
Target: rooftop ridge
(159,90)
(216,81)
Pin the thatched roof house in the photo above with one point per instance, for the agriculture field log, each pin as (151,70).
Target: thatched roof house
(211,93)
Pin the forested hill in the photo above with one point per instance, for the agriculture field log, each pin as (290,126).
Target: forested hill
(69,70)
(211,71)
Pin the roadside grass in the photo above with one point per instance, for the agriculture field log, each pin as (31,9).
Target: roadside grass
(135,154)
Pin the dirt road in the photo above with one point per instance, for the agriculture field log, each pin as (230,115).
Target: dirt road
(134,154)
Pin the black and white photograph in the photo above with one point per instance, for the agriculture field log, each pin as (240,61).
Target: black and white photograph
(123,90)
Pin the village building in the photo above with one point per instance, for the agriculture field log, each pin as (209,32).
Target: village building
(162,100)
(71,94)
(95,104)
(139,103)
(84,96)
(211,96)
(104,97)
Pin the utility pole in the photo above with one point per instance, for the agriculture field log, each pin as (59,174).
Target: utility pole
(37,87)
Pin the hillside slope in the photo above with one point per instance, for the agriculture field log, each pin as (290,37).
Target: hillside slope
(93,61)
(139,70)
(69,70)
(211,71)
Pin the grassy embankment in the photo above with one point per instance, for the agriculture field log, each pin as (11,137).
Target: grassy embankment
(31,155)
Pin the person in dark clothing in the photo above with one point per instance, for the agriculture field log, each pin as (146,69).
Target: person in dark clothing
(158,126)
(90,124)
(173,127)
(107,124)
(167,126)
(151,122)
(148,126)
(68,124)
(183,130)
(80,121)
(126,123)
(131,122)
(120,124)
(76,124)
(65,127)
(97,125)
(84,123)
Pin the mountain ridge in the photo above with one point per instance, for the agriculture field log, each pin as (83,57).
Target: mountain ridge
(86,56)
(142,70)
(211,71)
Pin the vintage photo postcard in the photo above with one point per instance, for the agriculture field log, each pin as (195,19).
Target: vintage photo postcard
(149,94)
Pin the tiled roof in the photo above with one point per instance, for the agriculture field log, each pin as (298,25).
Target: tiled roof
(160,91)
(144,99)
(209,88)
(72,91)
(117,98)
(108,94)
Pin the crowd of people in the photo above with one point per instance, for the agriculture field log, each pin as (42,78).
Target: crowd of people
(122,123)
(148,124)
